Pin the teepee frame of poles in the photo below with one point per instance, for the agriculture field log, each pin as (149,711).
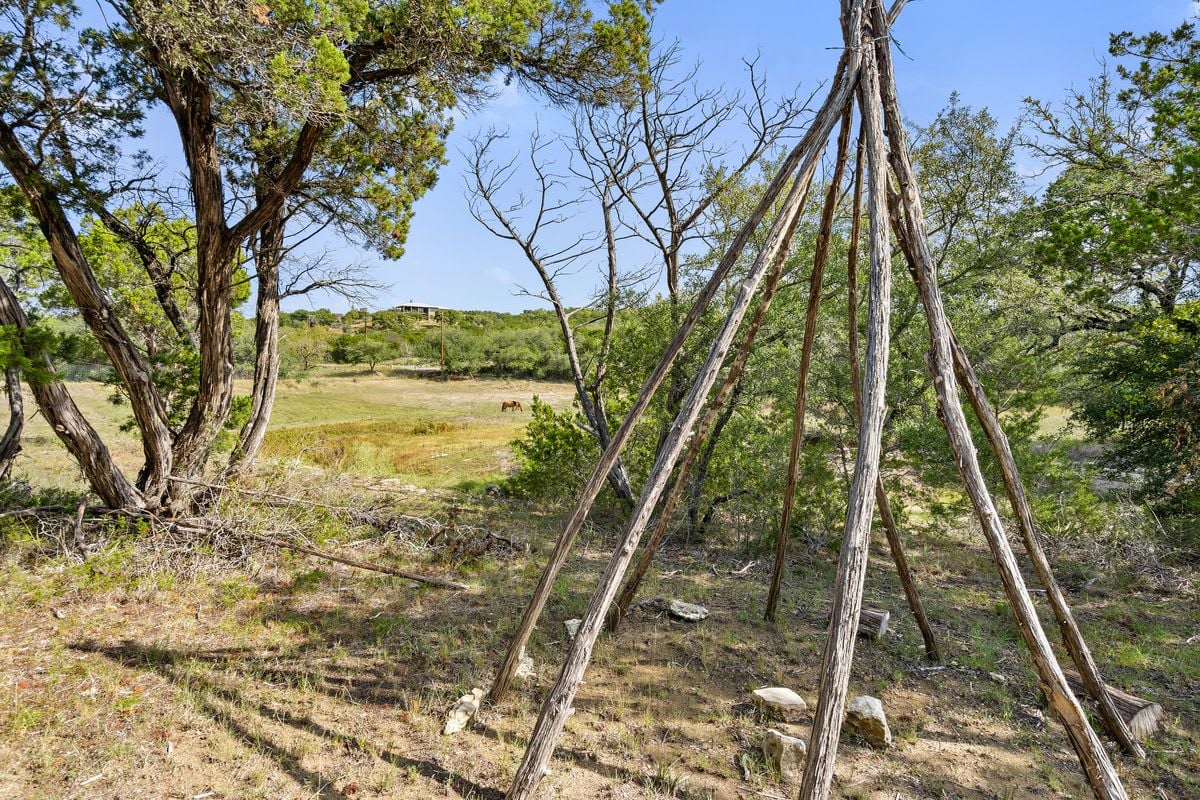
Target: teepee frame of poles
(864,78)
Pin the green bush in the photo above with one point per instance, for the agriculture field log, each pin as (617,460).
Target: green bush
(554,457)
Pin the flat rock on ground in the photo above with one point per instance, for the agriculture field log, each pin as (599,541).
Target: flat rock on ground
(462,711)
(780,703)
(688,612)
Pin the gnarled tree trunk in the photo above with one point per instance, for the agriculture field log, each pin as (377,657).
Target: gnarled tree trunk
(268,254)
(94,306)
(10,442)
(68,424)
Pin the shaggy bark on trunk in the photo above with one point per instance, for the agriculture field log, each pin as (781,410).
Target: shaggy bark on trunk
(1072,638)
(856,535)
(268,255)
(887,518)
(68,424)
(97,312)
(159,274)
(10,442)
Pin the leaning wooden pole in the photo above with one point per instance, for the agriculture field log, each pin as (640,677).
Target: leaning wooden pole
(1101,775)
(847,74)
(666,511)
(815,282)
(557,706)
(1090,677)
(852,561)
(1072,638)
(890,528)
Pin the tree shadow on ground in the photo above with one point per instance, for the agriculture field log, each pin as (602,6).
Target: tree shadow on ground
(221,682)
(209,694)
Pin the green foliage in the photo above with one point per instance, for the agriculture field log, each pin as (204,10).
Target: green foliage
(554,457)
(1120,232)
(356,348)
(302,349)
(1144,404)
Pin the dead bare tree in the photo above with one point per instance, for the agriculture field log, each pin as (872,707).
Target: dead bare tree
(527,223)
(606,134)
(659,153)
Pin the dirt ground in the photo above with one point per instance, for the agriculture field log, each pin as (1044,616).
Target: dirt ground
(292,678)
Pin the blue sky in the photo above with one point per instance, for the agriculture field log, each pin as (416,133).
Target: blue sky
(993,54)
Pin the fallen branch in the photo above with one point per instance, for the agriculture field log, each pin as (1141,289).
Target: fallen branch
(195,527)
(351,562)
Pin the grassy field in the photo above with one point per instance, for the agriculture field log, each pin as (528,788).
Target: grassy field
(419,429)
(162,668)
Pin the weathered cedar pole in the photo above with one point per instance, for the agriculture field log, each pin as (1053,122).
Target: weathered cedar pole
(1071,635)
(890,529)
(852,562)
(1105,782)
(846,76)
(557,706)
(815,281)
(696,445)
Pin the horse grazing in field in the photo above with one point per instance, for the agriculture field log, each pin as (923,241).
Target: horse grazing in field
(511,405)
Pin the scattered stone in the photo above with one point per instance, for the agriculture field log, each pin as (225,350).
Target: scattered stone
(864,716)
(462,711)
(572,626)
(785,753)
(524,668)
(996,677)
(781,703)
(688,612)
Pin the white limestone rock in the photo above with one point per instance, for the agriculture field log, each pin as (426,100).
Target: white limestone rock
(462,711)
(525,669)
(688,612)
(784,753)
(780,703)
(864,716)
(572,626)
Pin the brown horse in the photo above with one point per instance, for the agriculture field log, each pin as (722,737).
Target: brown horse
(511,405)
